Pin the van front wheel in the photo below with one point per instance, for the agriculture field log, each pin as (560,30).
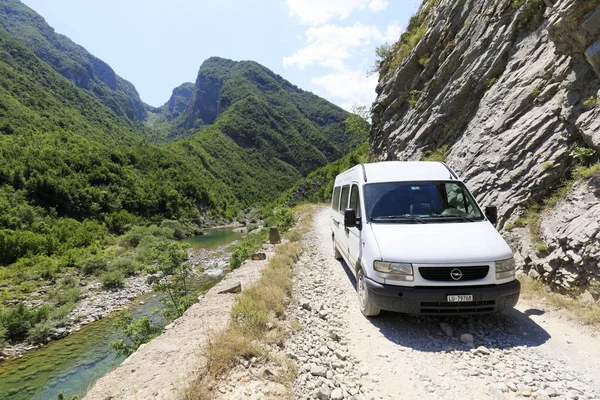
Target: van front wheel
(366,306)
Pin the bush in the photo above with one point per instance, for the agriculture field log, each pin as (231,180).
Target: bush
(18,320)
(244,249)
(134,237)
(112,280)
(126,265)
(283,219)
(294,236)
(179,230)
(94,264)
(146,249)
(40,333)
(64,295)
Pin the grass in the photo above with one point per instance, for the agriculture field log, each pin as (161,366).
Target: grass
(436,155)
(257,320)
(584,312)
(590,103)
(417,27)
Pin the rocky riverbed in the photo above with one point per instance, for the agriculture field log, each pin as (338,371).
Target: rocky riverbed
(97,302)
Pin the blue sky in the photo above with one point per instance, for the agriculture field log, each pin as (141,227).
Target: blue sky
(324,46)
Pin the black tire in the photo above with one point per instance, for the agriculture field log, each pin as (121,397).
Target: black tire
(336,253)
(366,306)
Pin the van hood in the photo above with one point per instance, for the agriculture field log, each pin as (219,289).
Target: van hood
(440,243)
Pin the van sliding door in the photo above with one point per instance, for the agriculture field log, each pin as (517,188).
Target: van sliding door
(353,234)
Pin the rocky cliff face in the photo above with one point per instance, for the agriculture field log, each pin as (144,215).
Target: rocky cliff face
(511,87)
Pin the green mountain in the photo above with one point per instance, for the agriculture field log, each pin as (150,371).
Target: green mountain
(252,129)
(71,60)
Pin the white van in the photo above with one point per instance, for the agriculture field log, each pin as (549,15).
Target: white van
(418,242)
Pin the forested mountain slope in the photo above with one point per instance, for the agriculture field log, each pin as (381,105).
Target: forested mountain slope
(507,92)
(252,129)
(71,60)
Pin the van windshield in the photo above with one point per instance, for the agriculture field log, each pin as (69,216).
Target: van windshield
(420,202)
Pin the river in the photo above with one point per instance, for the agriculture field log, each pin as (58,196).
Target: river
(72,364)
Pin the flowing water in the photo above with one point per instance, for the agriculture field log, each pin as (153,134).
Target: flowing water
(72,364)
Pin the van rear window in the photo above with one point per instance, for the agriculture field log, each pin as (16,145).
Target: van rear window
(335,199)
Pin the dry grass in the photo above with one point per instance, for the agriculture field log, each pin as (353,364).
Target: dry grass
(257,319)
(587,313)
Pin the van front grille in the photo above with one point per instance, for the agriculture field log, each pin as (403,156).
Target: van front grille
(467,307)
(454,274)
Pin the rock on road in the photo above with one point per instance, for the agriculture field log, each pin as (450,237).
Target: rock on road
(528,352)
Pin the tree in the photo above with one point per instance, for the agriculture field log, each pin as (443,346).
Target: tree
(136,333)
(358,121)
(169,274)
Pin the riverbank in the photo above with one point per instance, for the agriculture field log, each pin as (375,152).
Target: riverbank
(96,302)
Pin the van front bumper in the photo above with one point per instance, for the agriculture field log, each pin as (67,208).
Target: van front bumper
(433,299)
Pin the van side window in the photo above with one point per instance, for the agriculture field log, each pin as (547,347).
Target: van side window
(344,198)
(335,201)
(355,200)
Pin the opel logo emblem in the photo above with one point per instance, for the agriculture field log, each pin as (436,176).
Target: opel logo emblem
(456,274)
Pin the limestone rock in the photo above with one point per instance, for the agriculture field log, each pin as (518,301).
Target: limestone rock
(232,287)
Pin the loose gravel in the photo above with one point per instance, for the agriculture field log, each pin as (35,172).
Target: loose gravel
(528,352)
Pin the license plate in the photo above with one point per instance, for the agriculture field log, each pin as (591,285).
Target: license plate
(459,298)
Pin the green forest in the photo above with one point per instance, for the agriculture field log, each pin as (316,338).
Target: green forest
(89,173)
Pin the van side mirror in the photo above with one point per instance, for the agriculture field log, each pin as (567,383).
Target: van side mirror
(350,220)
(491,213)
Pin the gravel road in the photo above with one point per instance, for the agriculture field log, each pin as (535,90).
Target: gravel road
(529,352)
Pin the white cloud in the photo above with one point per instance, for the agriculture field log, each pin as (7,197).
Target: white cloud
(378,5)
(331,46)
(351,86)
(392,33)
(317,12)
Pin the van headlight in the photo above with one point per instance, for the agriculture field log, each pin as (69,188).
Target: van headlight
(393,270)
(505,268)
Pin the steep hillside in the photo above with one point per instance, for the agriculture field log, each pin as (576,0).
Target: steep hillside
(252,129)
(306,128)
(71,60)
(66,155)
(511,88)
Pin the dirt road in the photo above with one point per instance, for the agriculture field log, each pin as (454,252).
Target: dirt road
(528,352)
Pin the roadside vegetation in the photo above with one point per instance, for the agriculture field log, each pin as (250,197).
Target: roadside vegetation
(577,309)
(585,166)
(258,318)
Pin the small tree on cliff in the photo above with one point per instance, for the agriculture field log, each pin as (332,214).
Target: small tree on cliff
(358,121)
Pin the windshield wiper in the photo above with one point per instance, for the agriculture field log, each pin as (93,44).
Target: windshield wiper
(406,216)
(463,217)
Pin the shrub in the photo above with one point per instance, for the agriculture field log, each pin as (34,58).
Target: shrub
(179,230)
(18,320)
(437,155)
(94,264)
(146,248)
(136,333)
(294,236)
(413,97)
(40,333)
(590,103)
(127,266)
(284,218)
(135,236)
(64,295)
(244,249)
(112,280)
